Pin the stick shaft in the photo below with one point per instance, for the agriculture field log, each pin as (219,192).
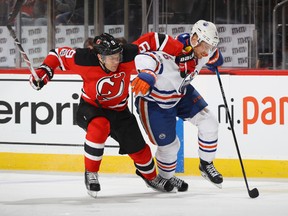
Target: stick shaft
(12,16)
(15,11)
(232,128)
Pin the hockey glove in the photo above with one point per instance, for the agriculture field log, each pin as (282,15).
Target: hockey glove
(184,39)
(143,82)
(186,63)
(215,61)
(45,74)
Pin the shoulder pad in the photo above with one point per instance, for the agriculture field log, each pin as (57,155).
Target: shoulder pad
(129,52)
(85,57)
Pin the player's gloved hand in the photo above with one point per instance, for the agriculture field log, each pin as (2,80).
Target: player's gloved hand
(143,82)
(215,61)
(44,73)
(187,67)
(186,62)
(184,39)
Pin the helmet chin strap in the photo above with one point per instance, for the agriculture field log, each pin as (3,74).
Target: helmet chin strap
(102,64)
(104,67)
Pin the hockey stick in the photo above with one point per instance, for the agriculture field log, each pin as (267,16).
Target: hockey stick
(12,16)
(254,192)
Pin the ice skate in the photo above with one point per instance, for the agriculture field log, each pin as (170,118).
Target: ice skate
(209,172)
(159,183)
(179,184)
(92,183)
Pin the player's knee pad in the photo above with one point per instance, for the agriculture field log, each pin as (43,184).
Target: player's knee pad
(168,153)
(98,130)
(206,123)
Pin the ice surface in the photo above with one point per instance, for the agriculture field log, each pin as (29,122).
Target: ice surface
(64,194)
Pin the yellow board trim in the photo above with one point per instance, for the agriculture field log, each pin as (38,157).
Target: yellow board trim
(124,165)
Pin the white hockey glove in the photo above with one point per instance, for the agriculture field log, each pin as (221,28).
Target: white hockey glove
(45,74)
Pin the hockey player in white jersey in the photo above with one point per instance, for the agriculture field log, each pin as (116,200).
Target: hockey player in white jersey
(164,92)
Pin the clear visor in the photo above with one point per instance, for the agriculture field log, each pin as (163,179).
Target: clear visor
(205,49)
(117,57)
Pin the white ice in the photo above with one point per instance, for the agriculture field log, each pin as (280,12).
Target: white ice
(62,194)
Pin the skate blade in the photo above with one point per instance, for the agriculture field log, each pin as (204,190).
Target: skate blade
(161,191)
(92,194)
(206,177)
(175,190)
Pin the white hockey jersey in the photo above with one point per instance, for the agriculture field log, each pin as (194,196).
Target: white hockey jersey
(170,86)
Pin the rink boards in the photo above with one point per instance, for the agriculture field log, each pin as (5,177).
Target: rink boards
(39,132)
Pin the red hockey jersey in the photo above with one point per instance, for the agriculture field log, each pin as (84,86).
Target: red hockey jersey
(109,89)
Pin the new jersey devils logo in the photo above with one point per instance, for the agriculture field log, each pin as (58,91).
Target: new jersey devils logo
(111,87)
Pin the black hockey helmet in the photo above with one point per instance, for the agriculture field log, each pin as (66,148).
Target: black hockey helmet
(106,44)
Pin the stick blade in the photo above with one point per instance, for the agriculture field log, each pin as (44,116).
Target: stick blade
(254,193)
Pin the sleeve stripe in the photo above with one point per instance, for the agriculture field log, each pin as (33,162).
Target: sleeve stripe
(55,53)
(163,44)
(156,41)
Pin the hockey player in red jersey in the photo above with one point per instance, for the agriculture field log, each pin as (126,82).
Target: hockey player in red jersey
(163,95)
(103,110)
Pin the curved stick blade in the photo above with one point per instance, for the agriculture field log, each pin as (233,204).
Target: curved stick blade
(254,193)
